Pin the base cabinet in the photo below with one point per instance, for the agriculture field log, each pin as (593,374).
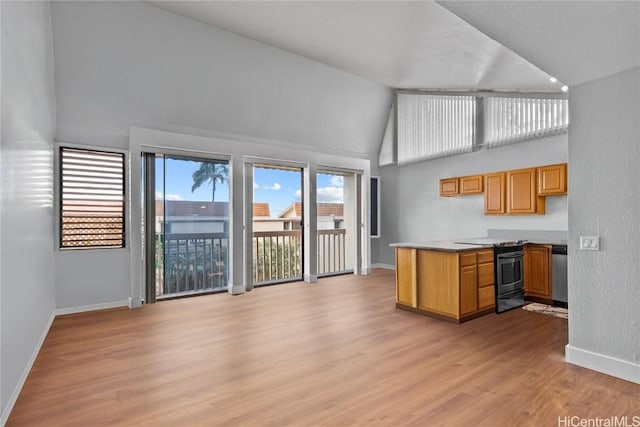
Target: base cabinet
(537,271)
(453,285)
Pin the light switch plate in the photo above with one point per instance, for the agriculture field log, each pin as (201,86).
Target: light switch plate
(589,243)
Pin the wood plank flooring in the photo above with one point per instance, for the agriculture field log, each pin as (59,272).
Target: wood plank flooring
(335,353)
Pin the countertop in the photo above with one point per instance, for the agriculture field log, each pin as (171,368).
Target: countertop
(441,245)
(451,246)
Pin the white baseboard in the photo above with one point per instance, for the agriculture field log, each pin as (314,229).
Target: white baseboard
(25,373)
(135,302)
(385,266)
(92,307)
(237,290)
(602,363)
(311,278)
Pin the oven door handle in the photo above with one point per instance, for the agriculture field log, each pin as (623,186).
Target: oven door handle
(510,256)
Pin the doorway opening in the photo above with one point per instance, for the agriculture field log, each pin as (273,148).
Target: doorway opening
(277,224)
(336,198)
(186,225)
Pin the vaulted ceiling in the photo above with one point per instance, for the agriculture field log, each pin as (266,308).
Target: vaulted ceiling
(414,44)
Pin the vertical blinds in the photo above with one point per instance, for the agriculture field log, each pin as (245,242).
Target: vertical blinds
(509,120)
(92,199)
(431,126)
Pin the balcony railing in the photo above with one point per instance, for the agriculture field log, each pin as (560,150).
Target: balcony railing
(191,262)
(331,251)
(199,262)
(277,256)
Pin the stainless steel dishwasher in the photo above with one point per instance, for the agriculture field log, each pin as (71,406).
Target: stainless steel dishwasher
(559,276)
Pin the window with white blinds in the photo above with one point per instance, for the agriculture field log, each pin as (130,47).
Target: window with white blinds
(92,195)
(509,120)
(431,126)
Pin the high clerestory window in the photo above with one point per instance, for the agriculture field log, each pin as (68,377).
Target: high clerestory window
(432,125)
(92,195)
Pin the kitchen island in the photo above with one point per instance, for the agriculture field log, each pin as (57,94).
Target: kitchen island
(444,279)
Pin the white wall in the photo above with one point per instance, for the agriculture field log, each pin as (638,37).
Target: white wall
(28,124)
(122,64)
(412,209)
(604,200)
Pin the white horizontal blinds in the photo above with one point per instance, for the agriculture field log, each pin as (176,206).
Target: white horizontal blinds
(92,199)
(431,126)
(509,120)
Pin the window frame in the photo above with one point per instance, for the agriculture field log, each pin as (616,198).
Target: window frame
(58,147)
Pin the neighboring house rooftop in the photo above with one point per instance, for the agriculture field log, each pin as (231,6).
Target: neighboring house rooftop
(294,210)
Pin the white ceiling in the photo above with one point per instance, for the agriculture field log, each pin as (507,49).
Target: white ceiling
(577,41)
(414,44)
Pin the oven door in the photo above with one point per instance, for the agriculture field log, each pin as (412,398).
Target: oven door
(509,272)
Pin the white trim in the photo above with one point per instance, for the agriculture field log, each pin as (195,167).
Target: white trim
(385,266)
(311,278)
(135,302)
(602,363)
(236,290)
(25,373)
(92,307)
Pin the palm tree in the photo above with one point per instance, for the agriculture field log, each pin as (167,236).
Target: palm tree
(210,172)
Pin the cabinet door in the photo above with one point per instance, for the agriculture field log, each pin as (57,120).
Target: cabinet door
(406,279)
(468,289)
(521,192)
(537,270)
(494,193)
(552,180)
(471,184)
(449,187)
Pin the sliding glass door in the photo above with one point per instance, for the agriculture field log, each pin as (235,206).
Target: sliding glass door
(277,224)
(336,222)
(186,225)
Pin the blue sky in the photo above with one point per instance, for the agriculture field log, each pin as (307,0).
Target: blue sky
(277,187)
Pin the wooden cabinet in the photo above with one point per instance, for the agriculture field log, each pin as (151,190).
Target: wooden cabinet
(537,271)
(472,184)
(406,277)
(494,191)
(449,187)
(486,280)
(468,289)
(522,197)
(454,285)
(552,180)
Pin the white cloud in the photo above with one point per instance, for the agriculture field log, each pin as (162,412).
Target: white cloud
(337,181)
(174,197)
(331,194)
(275,186)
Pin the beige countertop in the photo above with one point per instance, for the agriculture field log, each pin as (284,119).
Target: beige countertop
(441,245)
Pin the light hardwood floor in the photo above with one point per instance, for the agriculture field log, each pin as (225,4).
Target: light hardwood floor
(335,353)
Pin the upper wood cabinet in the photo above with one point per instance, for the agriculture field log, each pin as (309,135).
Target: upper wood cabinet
(494,186)
(537,271)
(522,197)
(472,184)
(449,187)
(552,180)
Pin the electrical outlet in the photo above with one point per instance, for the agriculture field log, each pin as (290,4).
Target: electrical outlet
(589,243)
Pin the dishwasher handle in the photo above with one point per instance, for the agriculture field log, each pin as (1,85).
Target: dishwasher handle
(558,250)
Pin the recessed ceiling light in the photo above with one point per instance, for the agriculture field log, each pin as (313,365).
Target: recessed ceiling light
(553,79)
(565,88)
